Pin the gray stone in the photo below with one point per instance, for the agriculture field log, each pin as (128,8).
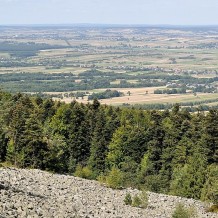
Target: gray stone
(34,193)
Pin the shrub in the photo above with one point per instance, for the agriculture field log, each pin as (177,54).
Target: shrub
(101,178)
(144,199)
(136,201)
(182,212)
(140,200)
(83,172)
(114,179)
(128,199)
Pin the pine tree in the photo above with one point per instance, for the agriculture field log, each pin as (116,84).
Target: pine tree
(210,189)
(19,113)
(210,136)
(188,180)
(3,146)
(99,145)
(34,147)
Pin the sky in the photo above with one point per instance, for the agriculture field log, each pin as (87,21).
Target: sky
(145,12)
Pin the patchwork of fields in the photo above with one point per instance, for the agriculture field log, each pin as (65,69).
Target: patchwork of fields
(135,59)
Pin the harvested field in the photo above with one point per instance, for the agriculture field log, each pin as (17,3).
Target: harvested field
(139,96)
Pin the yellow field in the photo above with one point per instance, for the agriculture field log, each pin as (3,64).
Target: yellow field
(139,96)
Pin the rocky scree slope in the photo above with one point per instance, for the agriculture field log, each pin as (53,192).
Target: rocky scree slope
(35,193)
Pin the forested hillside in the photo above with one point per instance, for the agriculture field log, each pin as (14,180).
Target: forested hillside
(172,152)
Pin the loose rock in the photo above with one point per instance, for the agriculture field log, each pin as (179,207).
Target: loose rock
(35,193)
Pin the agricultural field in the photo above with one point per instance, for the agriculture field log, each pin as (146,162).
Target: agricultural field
(139,96)
(139,60)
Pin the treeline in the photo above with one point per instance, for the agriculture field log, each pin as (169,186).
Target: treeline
(172,152)
(105,95)
(170,91)
(204,89)
(95,79)
(190,106)
(66,82)
(25,49)
(14,77)
(72,95)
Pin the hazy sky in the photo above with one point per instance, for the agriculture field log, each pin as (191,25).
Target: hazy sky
(176,12)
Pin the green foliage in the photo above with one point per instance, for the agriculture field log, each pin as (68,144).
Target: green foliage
(26,49)
(172,152)
(106,94)
(3,145)
(71,165)
(101,178)
(11,152)
(144,199)
(189,180)
(128,199)
(114,179)
(193,106)
(59,82)
(136,202)
(56,159)
(210,189)
(179,181)
(210,137)
(182,212)
(98,146)
(83,172)
(170,91)
(128,142)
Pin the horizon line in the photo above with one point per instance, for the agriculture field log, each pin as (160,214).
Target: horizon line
(112,24)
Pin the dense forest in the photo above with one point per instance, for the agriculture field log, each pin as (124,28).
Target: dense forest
(173,152)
